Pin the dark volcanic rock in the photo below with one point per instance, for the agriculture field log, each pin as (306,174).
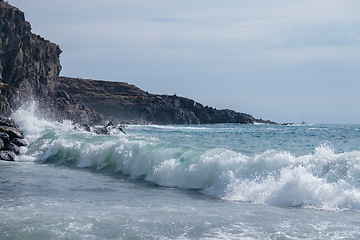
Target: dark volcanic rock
(63,106)
(12,132)
(2,144)
(4,136)
(129,103)
(13,148)
(27,61)
(7,156)
(29,68)
(19,142)
(82,127)
(7,122)
(103,130)
(11,139)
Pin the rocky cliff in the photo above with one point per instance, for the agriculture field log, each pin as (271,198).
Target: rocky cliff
(27,61)
(29,68)
(129,103)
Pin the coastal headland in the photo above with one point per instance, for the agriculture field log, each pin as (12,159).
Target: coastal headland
(30,68)
(129,104)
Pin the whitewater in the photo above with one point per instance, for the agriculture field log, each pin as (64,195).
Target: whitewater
(221,181)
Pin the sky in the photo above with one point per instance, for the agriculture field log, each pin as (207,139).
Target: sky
(277,60)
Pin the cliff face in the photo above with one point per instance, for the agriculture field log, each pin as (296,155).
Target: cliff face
(29,68)
(27,61)
(129,103)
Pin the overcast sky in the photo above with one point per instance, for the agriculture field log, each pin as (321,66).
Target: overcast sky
(273,59)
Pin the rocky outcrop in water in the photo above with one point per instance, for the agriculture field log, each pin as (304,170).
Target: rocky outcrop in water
(129,104)
(11,139)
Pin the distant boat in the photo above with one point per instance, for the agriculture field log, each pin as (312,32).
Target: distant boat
(302,119)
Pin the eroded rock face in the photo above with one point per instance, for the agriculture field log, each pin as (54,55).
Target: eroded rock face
(129,104)
(29,68)
(73,109)
(27,61)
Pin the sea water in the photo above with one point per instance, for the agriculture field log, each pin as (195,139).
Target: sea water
(222,181)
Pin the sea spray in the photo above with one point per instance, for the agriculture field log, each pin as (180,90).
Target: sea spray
(169,156)
(308,181)
(223,181)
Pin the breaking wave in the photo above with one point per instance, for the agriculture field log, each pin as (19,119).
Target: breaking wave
(322,179)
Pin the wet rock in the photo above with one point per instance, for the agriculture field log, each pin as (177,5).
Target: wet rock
(84,127)
(103,130)
(4,136)
(13,148)
(2,144)
(7,156)
(19,142)
(7,122)
(11,139)
(12,132)
(111,125)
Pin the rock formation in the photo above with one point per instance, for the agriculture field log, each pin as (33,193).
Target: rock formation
(11,139)
(28,61)
(129,104)
(29,68)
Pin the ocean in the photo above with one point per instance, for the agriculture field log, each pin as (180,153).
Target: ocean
(221,181)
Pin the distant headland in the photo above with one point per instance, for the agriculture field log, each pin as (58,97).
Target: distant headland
(30,68)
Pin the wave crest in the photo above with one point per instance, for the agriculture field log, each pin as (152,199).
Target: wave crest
(322,179)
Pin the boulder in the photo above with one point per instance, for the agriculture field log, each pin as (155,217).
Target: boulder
(12,132)
(103,130)
(11,139)
(19,142)
(7,156)
(83,127)
(4,136)
(7,122)
(13,148)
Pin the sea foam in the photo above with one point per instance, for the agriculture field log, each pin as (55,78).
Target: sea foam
(322,179)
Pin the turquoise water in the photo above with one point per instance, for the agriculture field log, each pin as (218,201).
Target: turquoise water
(223,181)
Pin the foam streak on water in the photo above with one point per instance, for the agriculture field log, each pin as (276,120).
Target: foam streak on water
(186,182)
(187,157)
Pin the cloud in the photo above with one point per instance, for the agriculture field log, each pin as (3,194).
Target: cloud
(210,50)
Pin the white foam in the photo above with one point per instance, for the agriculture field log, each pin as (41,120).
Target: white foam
(323,179)
(31,125)
(303,182)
